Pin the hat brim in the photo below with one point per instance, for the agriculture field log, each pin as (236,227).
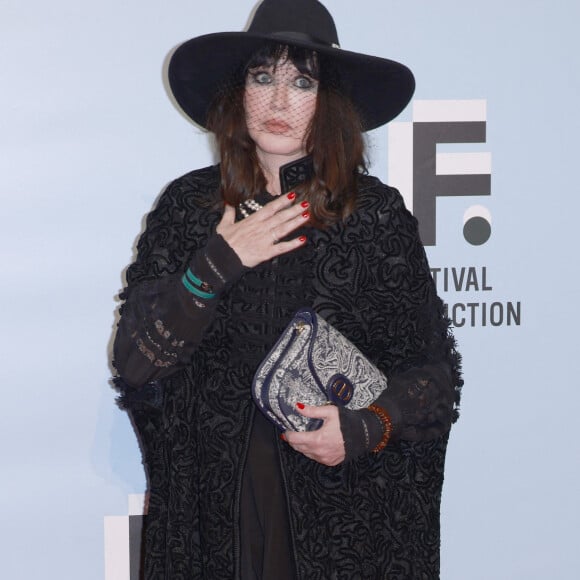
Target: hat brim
(379,88)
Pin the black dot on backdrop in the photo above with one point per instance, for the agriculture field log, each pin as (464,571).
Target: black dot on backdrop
(477,231)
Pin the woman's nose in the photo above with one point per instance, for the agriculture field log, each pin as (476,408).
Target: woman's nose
(279,99)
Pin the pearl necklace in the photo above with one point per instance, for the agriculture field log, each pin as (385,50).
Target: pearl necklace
(249,206)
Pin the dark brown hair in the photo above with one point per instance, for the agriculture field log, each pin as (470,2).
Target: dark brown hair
(334,139)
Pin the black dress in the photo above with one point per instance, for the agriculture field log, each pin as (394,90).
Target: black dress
(185,370)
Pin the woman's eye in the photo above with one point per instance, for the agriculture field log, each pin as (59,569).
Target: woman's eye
(262,78)
(304,82)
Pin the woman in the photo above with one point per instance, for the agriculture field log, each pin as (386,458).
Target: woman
(213,287)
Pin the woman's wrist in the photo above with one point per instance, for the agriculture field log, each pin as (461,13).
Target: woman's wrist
(213,268)
(361,431)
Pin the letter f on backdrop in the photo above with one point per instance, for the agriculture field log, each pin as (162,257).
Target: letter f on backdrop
(422,174)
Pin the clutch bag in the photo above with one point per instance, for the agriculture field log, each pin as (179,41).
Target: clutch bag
(313,363)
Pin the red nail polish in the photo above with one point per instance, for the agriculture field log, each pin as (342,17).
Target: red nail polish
(291,195)
(300,406)
(302,239)
(282,436)
(306,215)
(304,204)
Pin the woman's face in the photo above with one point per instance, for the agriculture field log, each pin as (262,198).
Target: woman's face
(279,102)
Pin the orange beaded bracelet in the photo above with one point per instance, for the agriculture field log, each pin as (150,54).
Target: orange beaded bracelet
(387,426)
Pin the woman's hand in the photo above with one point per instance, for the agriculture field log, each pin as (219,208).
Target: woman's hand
(324,445)
(255,239)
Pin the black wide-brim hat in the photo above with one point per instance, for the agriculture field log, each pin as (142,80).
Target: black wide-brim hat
(379,88)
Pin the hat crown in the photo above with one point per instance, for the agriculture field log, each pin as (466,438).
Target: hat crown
(295,17)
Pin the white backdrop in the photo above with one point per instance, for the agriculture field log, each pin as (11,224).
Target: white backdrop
(88,139)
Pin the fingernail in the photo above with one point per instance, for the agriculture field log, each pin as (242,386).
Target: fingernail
(306,215)
(282,436)
(300,406)
(302,239)
(291,195)
(304,204)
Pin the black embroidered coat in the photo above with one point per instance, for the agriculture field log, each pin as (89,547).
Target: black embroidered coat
(374,517)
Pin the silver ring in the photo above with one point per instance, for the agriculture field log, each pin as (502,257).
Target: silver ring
(276,240)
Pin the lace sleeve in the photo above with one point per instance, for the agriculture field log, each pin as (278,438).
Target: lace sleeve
(420,402)
(162,322)
(164,315)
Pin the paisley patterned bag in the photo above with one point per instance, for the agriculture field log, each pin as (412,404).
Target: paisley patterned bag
(313,363)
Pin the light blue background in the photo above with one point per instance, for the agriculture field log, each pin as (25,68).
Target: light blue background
(88,139)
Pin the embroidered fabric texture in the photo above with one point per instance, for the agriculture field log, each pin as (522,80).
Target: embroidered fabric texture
(370,280)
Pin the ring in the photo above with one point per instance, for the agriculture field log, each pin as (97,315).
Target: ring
(276,240)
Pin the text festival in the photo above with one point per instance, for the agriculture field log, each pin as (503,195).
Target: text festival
(476,313)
